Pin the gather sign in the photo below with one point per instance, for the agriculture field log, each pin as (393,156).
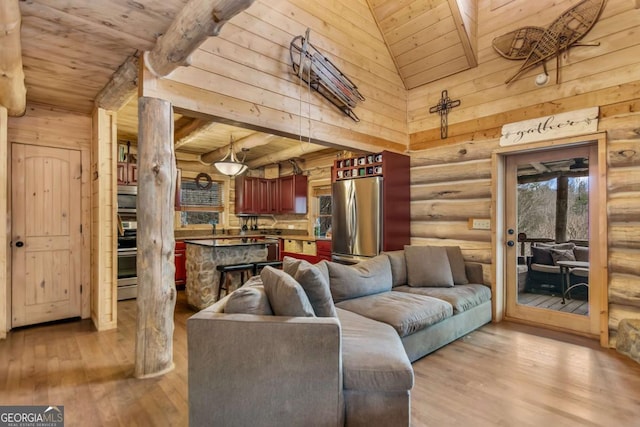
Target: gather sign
(572,123)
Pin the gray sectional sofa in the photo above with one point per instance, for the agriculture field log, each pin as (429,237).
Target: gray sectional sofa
(330,344)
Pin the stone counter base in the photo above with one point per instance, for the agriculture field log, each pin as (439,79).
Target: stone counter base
(203,279)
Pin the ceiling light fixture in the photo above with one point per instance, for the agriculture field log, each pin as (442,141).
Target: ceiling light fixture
(230,165)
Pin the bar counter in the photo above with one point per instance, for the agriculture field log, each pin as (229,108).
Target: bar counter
(203,256)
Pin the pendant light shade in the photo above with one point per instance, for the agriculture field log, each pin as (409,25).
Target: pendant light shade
(229,164)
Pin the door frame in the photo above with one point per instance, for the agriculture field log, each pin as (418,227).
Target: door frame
(598,229)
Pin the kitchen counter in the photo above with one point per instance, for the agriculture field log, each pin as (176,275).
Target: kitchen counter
(246,241)
(204,255)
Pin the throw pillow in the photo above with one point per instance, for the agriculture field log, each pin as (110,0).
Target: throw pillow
(562,255)
(368,277)
(286,296)
(541,256)
(290,265)
(249,300)
(428,266)
(398,267)
(581,253)
(314,283)
(456,262)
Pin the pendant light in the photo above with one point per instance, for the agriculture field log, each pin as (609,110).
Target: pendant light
(230,165)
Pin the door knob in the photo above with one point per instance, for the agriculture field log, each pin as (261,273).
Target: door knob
(510,243)
(19,244)
(511,231)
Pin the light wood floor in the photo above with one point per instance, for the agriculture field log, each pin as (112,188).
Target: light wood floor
(501,375)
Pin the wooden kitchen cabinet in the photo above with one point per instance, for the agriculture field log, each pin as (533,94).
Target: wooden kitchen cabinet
(181,264)
(309,250)
(293,194)
(127,173)
(246,192)
(284,195)
(323,249)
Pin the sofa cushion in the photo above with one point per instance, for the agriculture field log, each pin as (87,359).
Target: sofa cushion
(461,298)
(368,277)
(544,268)
(428,266)
(406,313)
(250,299)
(456,262)
(581,253)
(314,283)
(562,255)
(373,357)
(398,267)
(541,252)
(286,296)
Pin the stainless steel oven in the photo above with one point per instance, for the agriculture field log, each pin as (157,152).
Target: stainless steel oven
(127,199)
(127,276)
(127,256)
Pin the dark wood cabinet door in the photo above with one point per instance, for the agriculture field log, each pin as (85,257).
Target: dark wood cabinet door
(273,196)
(132,174)
(121,173)
(245,195)
(262,195)
(293,194)
(180,262)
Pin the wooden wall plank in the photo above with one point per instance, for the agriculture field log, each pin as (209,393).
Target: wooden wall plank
(103,211)
(5,250)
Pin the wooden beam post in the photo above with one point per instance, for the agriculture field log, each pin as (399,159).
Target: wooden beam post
(121,88)
(156,269)
(192,131)
(562,197)
(297,150)
(198,20)
(13,93)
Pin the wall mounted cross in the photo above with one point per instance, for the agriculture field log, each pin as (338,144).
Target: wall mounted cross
(443,107)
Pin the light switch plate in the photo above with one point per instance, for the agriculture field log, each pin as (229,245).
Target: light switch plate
(480,223)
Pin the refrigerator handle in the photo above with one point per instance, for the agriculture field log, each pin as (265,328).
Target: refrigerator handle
(354,219)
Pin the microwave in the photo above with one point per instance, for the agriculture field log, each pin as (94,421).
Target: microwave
(127,198)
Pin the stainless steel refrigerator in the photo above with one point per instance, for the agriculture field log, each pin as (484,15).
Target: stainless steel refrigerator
(357,225)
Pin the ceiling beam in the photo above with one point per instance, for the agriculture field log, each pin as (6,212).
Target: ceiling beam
(251,141)
(13,92)
(298,150)
(121,88)
(197,20)
(195,129)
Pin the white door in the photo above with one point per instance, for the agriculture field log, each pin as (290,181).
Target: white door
(535,291)
(46,234)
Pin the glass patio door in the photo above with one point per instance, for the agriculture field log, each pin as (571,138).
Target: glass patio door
(548,237)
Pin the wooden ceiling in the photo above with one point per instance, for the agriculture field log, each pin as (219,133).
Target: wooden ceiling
(428,39)
(72,48)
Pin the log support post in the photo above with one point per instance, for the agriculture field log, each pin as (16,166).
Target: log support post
(155,240)
(13,93)
(562,197)
(5,278)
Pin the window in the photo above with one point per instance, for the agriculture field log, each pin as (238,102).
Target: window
(322,211)
(199,205)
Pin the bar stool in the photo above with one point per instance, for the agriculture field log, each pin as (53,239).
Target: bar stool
(231,268)
(258,266)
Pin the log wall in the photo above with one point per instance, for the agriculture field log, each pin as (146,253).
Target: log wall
(244,75)
(451,179)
